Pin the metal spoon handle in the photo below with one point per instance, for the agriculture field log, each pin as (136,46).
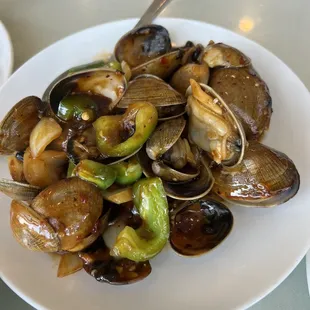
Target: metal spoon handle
(154,10)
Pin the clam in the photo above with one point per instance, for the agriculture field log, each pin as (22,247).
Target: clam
(60,220)
(105,268)
(247,95)
(199,226)
(81,97)
(194,188)
(170,174)
(164,137)
(72,207)
(169,156)
(180,80)
(16,169)
(182,153)
(168,102)
(163,66)
(265,178)
(17,125)
(142,44)
(46,169)
(31,230)
(213,127)
(192,53)
(100,227)
(147,50)
(19,191)
(222,55)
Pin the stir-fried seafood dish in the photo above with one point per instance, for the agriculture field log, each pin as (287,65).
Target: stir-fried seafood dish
(119,158)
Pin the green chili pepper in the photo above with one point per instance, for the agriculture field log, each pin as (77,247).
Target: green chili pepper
(122,135)
(71,167)
(77,107)
(128,172)
(151,202)
(114,65)
(101,175)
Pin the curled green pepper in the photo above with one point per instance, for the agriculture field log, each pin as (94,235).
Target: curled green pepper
(77,107)
(128,172)
(114,65)
(122,135)
(101,175)
(151,202)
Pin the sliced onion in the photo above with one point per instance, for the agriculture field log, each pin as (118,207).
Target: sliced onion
(43,134)
(118,196)
(69,263)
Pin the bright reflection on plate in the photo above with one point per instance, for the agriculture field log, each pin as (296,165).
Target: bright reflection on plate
(246,24)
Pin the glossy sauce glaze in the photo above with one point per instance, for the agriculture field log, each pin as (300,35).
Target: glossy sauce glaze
(199,226)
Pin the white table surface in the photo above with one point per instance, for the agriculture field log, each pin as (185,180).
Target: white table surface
(281,26)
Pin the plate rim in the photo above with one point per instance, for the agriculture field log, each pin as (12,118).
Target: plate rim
(288,270)
(8,40)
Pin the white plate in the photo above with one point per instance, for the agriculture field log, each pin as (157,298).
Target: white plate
(6,54)
(264,246)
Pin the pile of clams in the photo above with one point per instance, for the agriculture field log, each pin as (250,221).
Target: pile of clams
(118,159)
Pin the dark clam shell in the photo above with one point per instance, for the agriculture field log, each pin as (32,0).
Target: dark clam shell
(105,268)
(199,226)
(142,44)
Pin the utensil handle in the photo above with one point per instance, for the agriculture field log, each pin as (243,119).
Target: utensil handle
(154,10)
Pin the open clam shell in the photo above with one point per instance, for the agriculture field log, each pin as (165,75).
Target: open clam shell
(98,230)
(45,169)
(213,126)
(193,189)
(222,55)
(163,66)
(164,137)
(170,174)
(168,102)
(104,268)
(180,79)
(72,206)
(199,226)
(16,169)
(142,44)
(101,85)
(19,191)
(31,230)
(17,125)
(265,178)
(247,95)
